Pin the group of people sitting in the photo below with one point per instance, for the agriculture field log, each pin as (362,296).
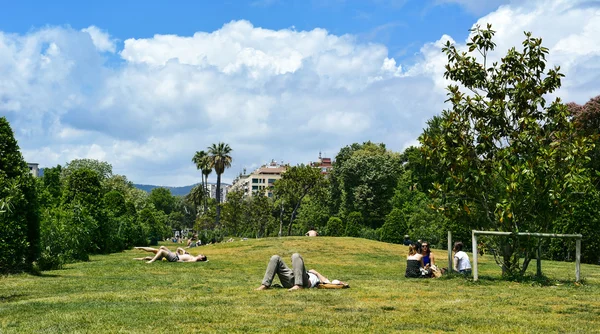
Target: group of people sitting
(420,262)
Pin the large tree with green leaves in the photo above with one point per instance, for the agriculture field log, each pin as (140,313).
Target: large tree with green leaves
(506,156)
(103,168)
(363,180)
(295,184)
(19,211)
(219,158)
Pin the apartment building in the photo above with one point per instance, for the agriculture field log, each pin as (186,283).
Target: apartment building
(324,164)
(212,191)
(259,181)
(34,168)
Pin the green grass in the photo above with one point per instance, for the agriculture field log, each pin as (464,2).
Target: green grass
(113,293)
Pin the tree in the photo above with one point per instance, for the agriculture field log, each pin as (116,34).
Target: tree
(104,169)
(233,212)
(219,159)
(353,223)
(202,162)
(504,155)
(586,119)
(365,176)
(162,199)
(295,184)
(394,228)
(19,208)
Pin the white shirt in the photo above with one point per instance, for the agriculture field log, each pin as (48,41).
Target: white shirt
(463,262)
(313,279)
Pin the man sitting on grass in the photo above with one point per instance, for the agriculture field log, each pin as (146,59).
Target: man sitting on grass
(163,252)
(293,279)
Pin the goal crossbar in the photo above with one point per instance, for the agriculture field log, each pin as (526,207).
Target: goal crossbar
(577,238)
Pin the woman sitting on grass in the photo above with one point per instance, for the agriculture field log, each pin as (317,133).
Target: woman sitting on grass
(180,255)
(414,262)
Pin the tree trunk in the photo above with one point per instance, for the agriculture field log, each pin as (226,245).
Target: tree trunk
(281,221)
(205,192)
(218,196)
(293,217)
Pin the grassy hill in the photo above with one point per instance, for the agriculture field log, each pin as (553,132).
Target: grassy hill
(113,293)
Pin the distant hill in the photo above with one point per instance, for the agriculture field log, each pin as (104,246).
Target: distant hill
(177,191)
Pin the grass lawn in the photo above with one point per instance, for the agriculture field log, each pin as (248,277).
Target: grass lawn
(113,293)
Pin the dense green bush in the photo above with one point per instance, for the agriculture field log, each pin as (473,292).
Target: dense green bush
(19,210)
(394,228)
(354,221)
(334,227)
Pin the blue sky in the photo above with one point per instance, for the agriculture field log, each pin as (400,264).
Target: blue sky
(402,25)
(145,84)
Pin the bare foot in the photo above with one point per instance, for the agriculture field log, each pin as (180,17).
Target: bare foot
(262,287)
(295,287)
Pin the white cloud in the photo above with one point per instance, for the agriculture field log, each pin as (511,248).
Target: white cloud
(101,39)
(283,95)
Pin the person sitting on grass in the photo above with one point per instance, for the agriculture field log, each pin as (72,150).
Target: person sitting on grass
(312,232)
(461,259)
(414,262)
(293,279)
(163,252)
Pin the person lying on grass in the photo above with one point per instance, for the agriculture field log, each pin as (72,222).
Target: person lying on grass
(180,255)
(295,278)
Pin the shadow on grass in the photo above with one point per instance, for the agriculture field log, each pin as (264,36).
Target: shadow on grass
(533,280)
(11,297)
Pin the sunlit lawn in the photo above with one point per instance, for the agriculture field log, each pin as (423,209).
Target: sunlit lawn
(113,293)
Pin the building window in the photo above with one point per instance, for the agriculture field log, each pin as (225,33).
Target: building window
(271,181)
(254,187)
(254,180)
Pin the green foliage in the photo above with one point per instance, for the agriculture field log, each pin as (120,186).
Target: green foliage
(83,185)
(162,199)
(504,158)
(354,221)
(295,185)
(259,216)
(155,223)
(114,202)
(369,233)
(362,180)
(585,220)
(586,119)
(314,212)
(102,168)
(233,212)
(395,227)
(334,227)
(19,208)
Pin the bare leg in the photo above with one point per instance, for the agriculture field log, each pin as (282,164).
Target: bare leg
(148,249)
(147,258)
(159,255)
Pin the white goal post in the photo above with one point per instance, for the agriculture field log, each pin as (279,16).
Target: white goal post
(475,233)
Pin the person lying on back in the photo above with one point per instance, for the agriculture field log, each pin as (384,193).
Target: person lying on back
(180,255)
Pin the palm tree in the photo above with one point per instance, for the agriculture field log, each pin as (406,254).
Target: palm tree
(219,158)
(202,164)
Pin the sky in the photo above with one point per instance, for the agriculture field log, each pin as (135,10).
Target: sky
(143,85)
